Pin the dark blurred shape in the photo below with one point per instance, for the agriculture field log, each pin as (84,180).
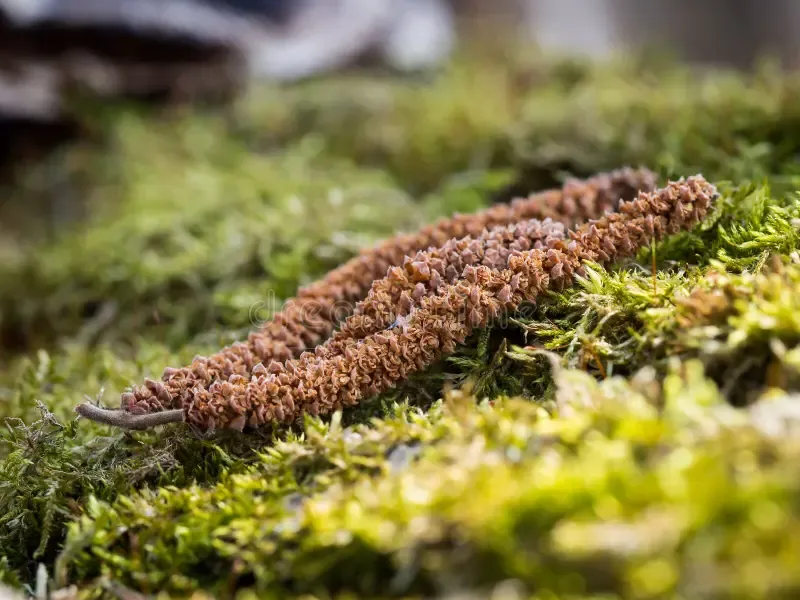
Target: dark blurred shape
(168,50)
(107,48)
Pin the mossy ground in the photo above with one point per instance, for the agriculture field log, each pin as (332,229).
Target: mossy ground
(634,436)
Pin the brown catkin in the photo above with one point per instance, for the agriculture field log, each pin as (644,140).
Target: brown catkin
(332,378)
(394,296)
(311,317)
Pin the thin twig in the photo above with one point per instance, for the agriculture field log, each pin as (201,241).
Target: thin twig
(596,358)
(126,420)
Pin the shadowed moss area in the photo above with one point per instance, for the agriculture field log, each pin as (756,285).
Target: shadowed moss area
(660,460)
(190,230)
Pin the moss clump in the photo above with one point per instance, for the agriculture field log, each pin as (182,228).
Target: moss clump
(648,484)
(146,257)
(542,117)
(724,125)
(617,492)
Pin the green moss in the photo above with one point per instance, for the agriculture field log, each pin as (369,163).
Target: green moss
(725,126)
(420,132)
(620,492)
(292,181)
(648,484)
(541,118)
(148,257)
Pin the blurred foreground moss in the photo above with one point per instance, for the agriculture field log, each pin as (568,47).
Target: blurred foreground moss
(649,484)
(629,488)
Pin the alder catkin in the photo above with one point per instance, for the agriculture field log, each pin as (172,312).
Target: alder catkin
(312,316)
(421,275)
(342,372)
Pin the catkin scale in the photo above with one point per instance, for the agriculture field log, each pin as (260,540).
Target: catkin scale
(310,318)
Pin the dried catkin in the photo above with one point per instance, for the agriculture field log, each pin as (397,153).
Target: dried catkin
(329,379)
(394,296)
(311,317)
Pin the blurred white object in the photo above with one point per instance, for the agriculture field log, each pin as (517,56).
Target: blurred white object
(581,27)
(7,593)
(422,35)
(29,93)
(326,35)
(320,36)
(24,11)
(193,49)
(777,417)
(169,42)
